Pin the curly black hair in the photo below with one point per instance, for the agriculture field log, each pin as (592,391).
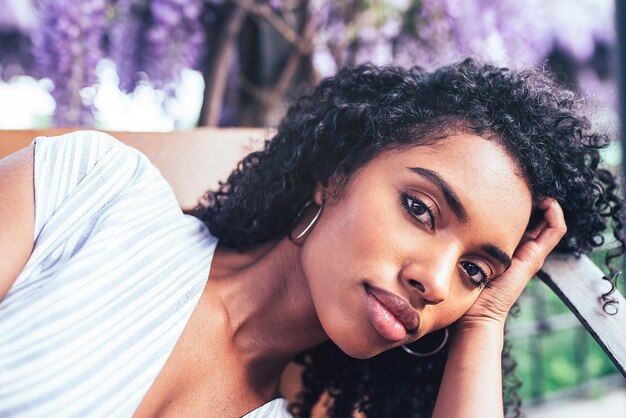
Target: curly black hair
(350,118)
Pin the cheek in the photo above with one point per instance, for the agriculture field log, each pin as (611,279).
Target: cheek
(449,311)
(339,301)
(327,263)
(351,238)
(343,250)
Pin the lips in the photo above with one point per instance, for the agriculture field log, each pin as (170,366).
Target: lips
(397,306)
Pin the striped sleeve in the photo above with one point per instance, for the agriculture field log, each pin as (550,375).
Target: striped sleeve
(61,163)
(77,177)
(114,276)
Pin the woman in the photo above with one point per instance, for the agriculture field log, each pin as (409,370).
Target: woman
(391,204)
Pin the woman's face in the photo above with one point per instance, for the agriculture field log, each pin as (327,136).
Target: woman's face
(414,232)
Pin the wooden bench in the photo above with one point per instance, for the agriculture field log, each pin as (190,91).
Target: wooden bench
(194,161)
(191,161)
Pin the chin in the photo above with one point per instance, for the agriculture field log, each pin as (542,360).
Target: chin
(356,347)
(361,353)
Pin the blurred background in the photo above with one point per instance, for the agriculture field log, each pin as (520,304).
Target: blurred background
(160,65)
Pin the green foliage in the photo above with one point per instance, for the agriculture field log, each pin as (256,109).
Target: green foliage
(555,360)
(567,359)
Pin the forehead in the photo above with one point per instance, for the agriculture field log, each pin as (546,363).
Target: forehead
(485,178)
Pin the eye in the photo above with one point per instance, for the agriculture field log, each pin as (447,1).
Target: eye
(476,275)
(418,210)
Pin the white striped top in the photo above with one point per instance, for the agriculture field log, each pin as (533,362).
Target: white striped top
(115,273)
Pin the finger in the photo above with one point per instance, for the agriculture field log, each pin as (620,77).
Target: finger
(533,232)
(533,252)
(537,222)
(555,227)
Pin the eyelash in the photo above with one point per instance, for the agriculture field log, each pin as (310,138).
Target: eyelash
(404,203)
(405,198)
(485,277)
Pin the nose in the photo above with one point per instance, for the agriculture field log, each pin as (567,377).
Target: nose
(431,275)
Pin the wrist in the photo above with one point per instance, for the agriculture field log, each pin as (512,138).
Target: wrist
(472,322)
(478,328)
(485,319)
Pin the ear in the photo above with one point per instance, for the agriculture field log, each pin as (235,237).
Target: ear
(331,190)
(319,193)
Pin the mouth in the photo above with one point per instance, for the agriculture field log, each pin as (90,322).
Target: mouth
(392,316)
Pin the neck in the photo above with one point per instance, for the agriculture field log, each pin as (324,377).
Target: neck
(267,303)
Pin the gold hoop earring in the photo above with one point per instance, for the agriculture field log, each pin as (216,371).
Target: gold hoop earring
(430,353)
(310,225)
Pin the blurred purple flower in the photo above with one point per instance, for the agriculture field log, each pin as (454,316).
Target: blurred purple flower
(513,32)
(577,26)
(127,42)
(154,40)
(16,57)
(68,46)
(17,15)
(434,32)
(174,40)
(332,37)
(17,22)
(276,5)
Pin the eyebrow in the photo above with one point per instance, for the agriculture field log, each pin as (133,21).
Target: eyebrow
(451,197)
(498,254)
(459,210)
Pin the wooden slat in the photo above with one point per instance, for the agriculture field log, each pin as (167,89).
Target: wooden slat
(577,281)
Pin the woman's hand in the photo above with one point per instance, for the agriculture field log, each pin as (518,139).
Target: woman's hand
(493,304)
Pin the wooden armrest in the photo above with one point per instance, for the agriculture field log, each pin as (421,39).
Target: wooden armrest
(576,281)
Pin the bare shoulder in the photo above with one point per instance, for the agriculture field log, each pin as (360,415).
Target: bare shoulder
(17,215)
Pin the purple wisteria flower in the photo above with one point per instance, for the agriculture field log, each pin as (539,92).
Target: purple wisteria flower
(154,40)
(430,33)
(174,40)
(17,15)
(276,5)
(17,21)
(331,20)
(513,32)
(127,42)
(67,48)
